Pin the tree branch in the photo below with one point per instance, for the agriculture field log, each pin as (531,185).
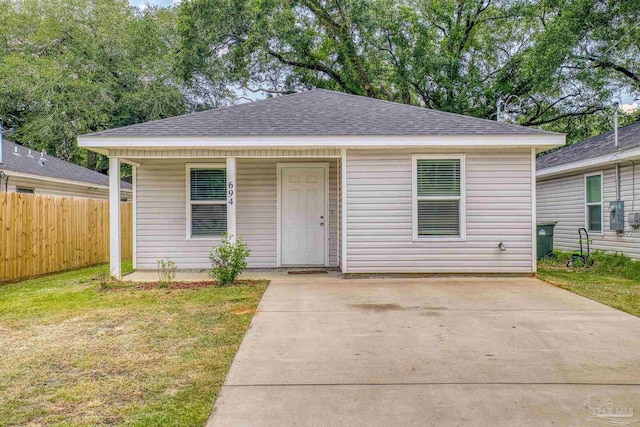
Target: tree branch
(585,112)
(314,66)
(605,63)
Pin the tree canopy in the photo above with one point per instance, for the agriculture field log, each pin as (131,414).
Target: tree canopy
(69,67)
(562,59)
(76,66)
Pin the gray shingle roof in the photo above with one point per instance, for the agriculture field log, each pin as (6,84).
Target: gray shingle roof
(53,167)
(319,112)
(628,137)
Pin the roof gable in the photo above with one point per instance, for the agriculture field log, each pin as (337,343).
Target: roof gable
(319,112)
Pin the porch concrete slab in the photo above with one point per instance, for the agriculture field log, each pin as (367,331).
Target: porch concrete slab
(281,276)
(439,351)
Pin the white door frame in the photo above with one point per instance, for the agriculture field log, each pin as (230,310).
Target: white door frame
(324,165)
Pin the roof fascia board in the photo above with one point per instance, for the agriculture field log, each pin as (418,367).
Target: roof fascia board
(11,173)
(631,154)
(337,141)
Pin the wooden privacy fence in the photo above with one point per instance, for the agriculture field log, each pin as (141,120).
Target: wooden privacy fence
(44,234)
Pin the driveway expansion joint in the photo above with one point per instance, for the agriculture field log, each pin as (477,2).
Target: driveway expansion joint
(438,384)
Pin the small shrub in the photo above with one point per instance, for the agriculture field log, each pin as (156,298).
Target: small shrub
(105,281)
(166,272)
(228,260)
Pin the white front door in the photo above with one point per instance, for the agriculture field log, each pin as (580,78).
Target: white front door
(302,216)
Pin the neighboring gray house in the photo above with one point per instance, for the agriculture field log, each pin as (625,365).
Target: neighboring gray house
(29,171)
(577,184)
(322,178)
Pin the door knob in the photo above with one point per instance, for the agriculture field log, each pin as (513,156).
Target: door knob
(322,223)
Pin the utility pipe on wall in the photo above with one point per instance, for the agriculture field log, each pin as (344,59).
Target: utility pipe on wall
(617,181)
(615,142)
(615,123)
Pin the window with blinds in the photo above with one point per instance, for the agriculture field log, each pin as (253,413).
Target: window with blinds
(207,201)
(438,190)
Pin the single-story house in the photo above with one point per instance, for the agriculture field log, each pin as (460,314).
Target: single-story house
(322,178)
(23,170)
(593,184)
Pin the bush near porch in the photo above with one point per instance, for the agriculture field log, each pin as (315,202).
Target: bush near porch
(73,354)
(614,279)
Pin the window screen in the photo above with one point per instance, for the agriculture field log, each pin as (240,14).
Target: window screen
(438,178)
(208,184)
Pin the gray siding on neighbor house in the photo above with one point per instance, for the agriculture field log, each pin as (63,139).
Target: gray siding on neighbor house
(498,208)
(161,212)
(48,188)
(561,199)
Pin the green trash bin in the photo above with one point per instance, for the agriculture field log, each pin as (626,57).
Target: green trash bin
(545,239)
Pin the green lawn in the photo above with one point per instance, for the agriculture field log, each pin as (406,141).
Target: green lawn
(614,280)
(72,354)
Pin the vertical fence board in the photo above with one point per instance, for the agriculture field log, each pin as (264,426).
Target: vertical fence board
(44,234)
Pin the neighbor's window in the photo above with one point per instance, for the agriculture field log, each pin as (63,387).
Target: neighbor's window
(439,196)
(593,201)
(207,196)
(25,190)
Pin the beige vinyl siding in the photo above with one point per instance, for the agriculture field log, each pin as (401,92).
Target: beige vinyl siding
(161,212)
(562,199)
(44,187)
(379,215)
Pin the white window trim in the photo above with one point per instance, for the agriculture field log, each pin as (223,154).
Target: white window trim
(188,202)
(586,209)
(414,198)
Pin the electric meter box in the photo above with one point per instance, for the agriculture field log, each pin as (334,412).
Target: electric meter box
(616,219)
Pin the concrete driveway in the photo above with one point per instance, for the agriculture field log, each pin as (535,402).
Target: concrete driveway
(436,351)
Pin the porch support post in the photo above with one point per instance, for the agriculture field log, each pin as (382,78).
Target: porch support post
(534,228)
(343,211)
(134,201)
(231,197)
(115,253)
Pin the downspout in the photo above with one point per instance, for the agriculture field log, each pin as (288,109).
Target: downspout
(615,141)
(633,186)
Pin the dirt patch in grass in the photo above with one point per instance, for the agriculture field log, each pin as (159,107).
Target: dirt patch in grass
(191,285)
(75,355)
